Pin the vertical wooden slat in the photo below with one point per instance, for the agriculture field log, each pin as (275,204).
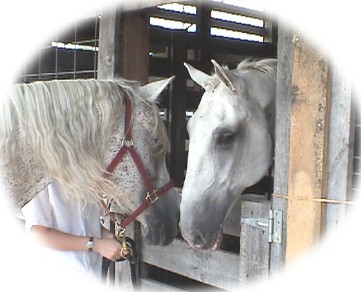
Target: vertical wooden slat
(135,31)
(308,148)
(109,62)
(204,35)
(124,45)
(282,139)
(124,52)
(108,68)
(178,108)
(340,150)
(254,246)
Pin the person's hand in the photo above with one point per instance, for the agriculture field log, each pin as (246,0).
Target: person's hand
(107,234)
(108,247)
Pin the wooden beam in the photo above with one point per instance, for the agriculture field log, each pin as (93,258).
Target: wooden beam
(123,52)
(220,269)
(254,245)
(203,36)
(282,139)
(177,109)
(109,62)
(238,47)
(135,46)
(341,150)
(308,148)
(124,45)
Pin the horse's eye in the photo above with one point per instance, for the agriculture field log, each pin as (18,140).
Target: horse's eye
(225,138)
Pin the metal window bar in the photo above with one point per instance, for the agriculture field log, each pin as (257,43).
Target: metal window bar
(54,62)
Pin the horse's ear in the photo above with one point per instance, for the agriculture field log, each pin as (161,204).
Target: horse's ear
(224,75)
(198,76)
(151,91)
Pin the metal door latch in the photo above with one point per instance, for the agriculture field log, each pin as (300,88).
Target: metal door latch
(273,224)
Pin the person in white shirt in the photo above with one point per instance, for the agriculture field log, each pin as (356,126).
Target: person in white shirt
(71,230)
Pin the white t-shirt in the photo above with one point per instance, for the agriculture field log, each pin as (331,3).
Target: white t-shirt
(49,209)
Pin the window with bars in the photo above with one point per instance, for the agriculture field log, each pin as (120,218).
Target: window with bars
(240,20)
(68,55)
(73,53)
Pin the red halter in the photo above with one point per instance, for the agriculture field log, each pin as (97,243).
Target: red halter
(127,144)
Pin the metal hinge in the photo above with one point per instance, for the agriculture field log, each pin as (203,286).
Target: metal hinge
(273,224)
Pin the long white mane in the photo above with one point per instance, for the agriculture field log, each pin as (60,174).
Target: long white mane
(63,128)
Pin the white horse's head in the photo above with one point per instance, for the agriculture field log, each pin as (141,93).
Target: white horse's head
(230,145)
(69,131)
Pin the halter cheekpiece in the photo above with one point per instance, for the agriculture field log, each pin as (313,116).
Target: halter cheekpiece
(127,146)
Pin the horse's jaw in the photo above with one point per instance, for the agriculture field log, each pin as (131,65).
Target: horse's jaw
(202,216)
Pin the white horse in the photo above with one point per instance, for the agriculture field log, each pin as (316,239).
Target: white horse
(70,131)
(230,148)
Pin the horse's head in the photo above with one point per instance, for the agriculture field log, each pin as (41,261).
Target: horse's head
(160,220)
(230,148)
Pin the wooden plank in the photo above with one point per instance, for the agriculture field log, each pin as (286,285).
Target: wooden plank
(238,47)
(124,45)
(219,269)
(203,36)
(308,148)
(177,107)
(342,121)
(123,51)
(254,245)
(108,68)
(109,62)
(135,46)
(282,139)
(152,285)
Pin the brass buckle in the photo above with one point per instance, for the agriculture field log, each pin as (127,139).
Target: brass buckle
(152,196)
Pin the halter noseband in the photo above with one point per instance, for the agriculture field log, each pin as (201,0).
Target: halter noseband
(127,146)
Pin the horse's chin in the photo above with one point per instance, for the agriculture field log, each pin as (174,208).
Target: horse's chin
(213,246)
(157,235)
(153,237)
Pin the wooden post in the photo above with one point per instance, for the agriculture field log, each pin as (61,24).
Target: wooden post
(309,126)
(124,45)
(314,147)
(109,62)
(282,139)
(301,147)
(177,108)
(204,35)
(341,150)
(124,52)
(135,46)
